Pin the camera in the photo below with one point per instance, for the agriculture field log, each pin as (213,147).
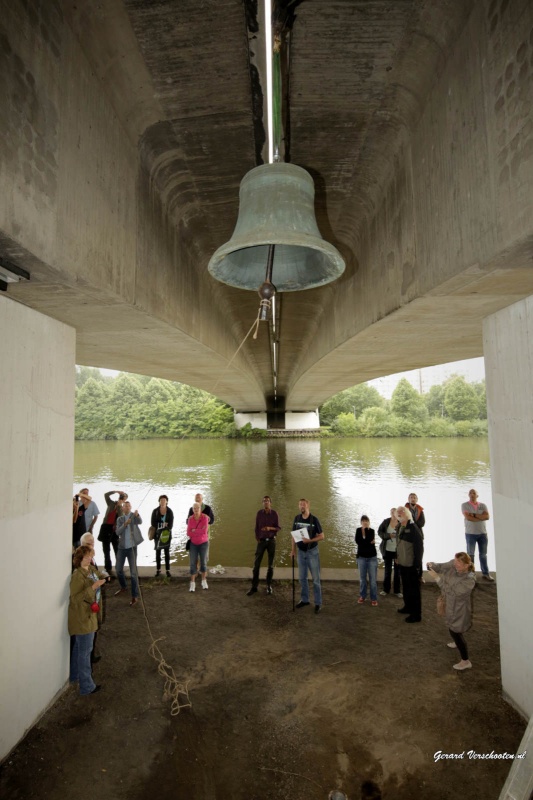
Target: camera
(76,497)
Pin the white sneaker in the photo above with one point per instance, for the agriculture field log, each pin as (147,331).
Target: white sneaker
(462,665)
(399,594)
(192,586)
(204,584)
(452,645)
(383,594)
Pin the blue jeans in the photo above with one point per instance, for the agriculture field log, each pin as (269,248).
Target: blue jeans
(309,560)
(482,540)
(368,566)
(198,551)
(129,553)
(80,662)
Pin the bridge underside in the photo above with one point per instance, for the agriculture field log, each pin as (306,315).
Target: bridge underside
(129,125)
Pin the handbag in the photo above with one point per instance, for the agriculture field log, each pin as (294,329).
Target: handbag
(151,533)
(188,544)
(441,605)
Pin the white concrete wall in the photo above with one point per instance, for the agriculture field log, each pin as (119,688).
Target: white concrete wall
(508,347)
(37,359)
(301,420)
(257,419)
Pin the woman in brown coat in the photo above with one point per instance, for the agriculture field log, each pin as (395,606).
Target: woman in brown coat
(456,580)
(85,583)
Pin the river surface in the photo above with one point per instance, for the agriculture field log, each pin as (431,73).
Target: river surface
(342,478)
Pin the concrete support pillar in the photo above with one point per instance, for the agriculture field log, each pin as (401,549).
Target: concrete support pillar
(257,419)
(508,349)
(302,420)
(37,368)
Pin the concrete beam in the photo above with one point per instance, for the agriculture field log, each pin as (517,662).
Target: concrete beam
(451,239)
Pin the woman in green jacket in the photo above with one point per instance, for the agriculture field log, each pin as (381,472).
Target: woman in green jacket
(85,584)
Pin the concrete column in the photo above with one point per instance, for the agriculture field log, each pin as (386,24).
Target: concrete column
(508,349)
(302,420)
(37,361)
(257,419)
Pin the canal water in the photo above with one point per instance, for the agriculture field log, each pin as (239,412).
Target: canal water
(342,478)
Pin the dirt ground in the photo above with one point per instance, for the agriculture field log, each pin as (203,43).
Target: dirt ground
(285,705)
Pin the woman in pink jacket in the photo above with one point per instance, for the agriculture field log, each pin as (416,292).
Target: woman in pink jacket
(197,531)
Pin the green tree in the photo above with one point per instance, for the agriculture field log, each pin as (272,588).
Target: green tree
(434,401)
(83,374)
(378,422)
(155,411)
(439,426)
(345,425)
(350,401)
(91,401)
(460,400)
(407,403)
(122,412)
(480,389)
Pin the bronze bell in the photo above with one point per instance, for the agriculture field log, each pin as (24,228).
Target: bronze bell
(276,206)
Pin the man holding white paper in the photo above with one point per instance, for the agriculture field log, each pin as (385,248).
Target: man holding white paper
(306,534)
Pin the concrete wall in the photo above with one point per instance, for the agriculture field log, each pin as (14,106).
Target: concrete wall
(37,454)
(301,420)
(508,346)
(257,419)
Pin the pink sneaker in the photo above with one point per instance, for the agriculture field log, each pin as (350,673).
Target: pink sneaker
(361,600)
(374,602)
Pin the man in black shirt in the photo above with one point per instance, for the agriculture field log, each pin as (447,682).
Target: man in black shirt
(266,528)
(199,498)
(308,558)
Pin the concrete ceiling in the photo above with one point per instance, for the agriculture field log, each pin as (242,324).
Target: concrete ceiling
(369,81)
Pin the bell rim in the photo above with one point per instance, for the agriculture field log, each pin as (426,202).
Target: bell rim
(313,242)
(298,240)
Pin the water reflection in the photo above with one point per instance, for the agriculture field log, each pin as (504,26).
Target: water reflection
(343,478)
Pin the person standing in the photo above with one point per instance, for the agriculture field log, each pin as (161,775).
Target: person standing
(308,557)
(457,580)
(91,510)
(163,522)
(78,521)
(476,514)
(417,512)
(107,534)
(208,511)
(85,586)
(129,537)
(388,548)
(266,529)
(410,553)
(367,560)
(199,498)
(198,533)
(88,540)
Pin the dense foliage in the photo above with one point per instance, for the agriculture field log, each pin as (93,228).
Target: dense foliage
(456,408)
(139,407)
